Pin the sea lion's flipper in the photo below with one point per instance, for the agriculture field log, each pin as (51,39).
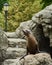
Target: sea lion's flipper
(22,57)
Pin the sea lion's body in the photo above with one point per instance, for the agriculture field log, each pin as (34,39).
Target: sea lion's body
(32,45)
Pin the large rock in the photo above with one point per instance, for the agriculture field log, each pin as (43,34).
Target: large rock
(23,25)
(20,43)
(12,53)
(11,34)
(45,18)
(3,40)
(37,59)
(3,45)
(11,62)
(49,7)
(2,55)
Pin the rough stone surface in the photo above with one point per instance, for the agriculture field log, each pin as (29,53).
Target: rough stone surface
(20,43)
(49,7)
(2,55)
(37,59)
(11,62)
(11,53)
(45,17)
(3,40)
(23,25)
(11,34)
(3,45)
(15,52)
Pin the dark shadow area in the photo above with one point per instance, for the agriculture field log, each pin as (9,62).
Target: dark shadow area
(46,3)
(1,4)
(43,41)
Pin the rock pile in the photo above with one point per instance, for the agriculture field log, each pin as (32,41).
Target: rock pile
(13,44)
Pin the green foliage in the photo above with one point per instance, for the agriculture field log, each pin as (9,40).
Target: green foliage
(19,11)
(46,3)
(1,20)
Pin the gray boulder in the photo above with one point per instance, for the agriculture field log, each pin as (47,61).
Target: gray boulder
(37,59)
(11,62)
(49,7)
(3,45)
(45,18)
(23,25)
(18,43)
(13,53)
(11,34)
(3,40)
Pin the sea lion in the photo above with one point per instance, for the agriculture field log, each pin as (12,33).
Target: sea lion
(32,45)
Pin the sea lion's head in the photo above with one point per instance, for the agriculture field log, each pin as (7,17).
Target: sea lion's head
(26,32)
